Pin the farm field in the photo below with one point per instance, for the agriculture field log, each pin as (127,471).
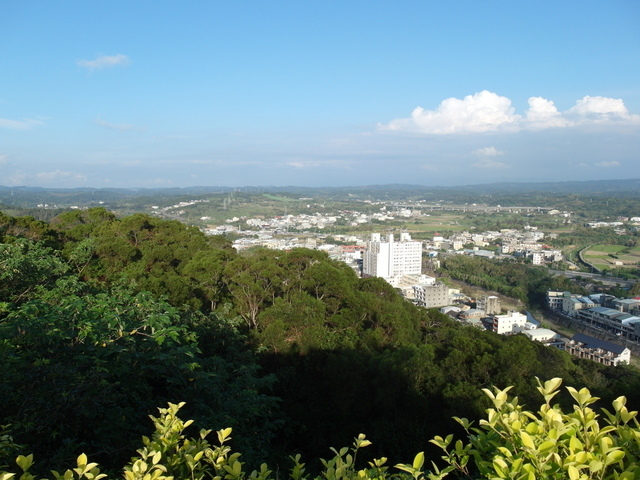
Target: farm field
(612,256)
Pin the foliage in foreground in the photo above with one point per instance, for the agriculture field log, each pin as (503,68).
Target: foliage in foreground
(511,443)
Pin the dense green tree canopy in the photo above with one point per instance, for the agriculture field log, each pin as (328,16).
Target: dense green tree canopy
(102,319)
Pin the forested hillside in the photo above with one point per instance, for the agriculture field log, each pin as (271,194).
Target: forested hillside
(104,319)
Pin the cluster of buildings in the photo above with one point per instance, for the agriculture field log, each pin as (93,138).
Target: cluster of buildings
(290,222)
(320,221)
(176,209)
(400,262)
(579,345)
(599,312)
(511,242)
(618,316)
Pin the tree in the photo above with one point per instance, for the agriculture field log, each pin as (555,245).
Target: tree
(206,270)
(26,267)
(83,369)
(254,283)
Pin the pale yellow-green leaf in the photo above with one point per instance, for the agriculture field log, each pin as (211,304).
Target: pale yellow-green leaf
(575,444)
(619,403)
(500,466)
(545,446)
(532,428)
(613,457)
(223,435)
(551,385)
(573,472)
(418,461)
(82,460)
(25,462)
(595,466)
(527,441)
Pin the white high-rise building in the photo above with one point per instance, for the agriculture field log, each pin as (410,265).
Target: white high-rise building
(389,258)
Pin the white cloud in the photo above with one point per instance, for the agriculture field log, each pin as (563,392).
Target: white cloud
(19,124)
(4,159)
(601,110)
(488,152)
(543,113)
(105,61)
(612,163)
(488,112)
(483,112)
(488,163)
(599,105)
(59,175)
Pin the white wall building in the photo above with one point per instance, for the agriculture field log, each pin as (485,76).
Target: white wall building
(513,322)
(543,335)
(600,351)
(432,296)
(389,258)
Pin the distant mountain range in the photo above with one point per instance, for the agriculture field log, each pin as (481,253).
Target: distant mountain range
(32,196)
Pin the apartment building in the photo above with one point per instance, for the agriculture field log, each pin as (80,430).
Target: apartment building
(432,296)
(490,304)
(389,258)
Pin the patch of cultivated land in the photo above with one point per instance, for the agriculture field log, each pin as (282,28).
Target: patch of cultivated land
(608,256)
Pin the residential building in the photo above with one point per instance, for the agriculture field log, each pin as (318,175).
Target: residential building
(571,305)
(509,324)
(389,258)
(555,299)
(600,351)
(432,296)
(614,321)
(546,336)
(490,304)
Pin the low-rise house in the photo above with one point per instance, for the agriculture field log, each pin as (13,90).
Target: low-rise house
(547,337)
(600,351)
(472,313)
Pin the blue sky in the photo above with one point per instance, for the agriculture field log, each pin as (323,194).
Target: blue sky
(317,93)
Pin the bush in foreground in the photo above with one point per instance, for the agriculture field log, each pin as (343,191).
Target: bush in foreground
(511,443)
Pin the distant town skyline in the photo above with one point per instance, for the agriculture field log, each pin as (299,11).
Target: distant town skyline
(163,94)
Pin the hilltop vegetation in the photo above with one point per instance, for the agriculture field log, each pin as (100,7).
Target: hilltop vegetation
(104,319)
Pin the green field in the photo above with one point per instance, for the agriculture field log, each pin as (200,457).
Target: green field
(280,198)
(612,256)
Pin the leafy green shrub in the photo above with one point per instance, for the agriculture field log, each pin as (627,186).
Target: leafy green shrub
(518,444)
(511,443)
